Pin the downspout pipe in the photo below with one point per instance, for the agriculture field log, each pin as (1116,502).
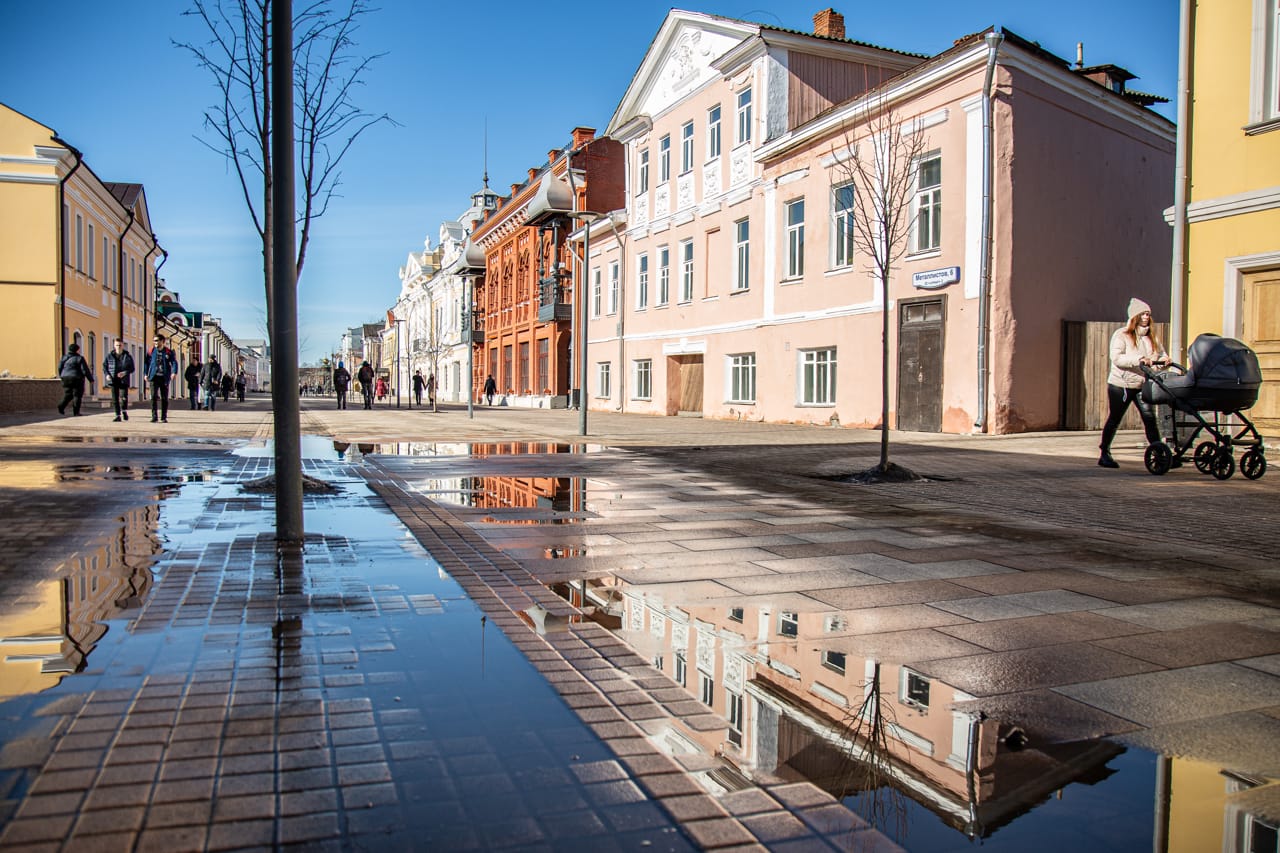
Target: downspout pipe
(149,305)
(1178,287)
(120,280)
(62,259)
(994,39)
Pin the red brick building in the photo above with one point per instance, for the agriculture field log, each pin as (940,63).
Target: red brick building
(524,302)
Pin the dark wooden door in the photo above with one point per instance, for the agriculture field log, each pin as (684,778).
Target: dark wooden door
(920,366)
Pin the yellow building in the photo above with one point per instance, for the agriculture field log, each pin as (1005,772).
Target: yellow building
(1231,66)
(78,257)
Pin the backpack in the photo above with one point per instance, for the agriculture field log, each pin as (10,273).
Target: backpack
(72,366)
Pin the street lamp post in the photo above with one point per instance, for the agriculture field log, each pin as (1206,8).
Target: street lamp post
(589,218)
(399,327)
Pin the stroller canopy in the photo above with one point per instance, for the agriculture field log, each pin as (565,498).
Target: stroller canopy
(1217,362)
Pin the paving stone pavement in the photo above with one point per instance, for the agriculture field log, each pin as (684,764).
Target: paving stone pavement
(240,708)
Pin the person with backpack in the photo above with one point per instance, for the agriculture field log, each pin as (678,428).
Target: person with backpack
(211,382)
(118,368)
(192,375)
(341,380)
(73,370)
(240,384)
(365,377)
(161,365)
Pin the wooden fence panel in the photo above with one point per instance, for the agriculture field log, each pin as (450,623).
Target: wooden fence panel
(1086,362)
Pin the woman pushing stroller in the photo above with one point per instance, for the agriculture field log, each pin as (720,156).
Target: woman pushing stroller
(1133,346)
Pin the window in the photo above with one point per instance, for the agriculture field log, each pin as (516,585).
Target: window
(644,171)
(713,132)
(708,690)
(664,275)
(842,199)
(1264,89)
(818,377)
(686,271)
(735,614)
(795,238)
(664,159)
(744,116)
(93,266)
(115,259)
(742,254)
(928,204)
(596,293)
(79,242)
(834,661)
(686,147)
(742,378)
(914,690)
(106,262)
(681,671)
(735,717)
(604,385)
(642,283)
(643,379)
(788,624)
(614,286)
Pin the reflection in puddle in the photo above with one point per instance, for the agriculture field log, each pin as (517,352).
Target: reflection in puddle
(50,628)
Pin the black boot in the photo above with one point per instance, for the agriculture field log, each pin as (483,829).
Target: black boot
(1106,461)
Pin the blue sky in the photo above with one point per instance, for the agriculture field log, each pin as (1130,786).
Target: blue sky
(107,78)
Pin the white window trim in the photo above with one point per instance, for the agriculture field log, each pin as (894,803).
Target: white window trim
(801,359)
(794,264)
(741,257)
(686,270)
(914,247)
(835,229)
(1264,76)
(635,380)
(686,147)
(715,133)
(642,282)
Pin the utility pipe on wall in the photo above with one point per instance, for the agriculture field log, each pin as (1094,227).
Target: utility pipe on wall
(1178,286)
(994,38)
(62,256)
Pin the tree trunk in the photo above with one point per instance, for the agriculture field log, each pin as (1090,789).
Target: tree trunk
(884,373)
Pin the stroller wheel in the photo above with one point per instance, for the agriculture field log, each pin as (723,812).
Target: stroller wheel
(1158,458)
(1205,452)
(1253,464)
(1223,464)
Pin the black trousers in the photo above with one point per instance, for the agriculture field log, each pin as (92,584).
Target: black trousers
(73,393)
(119,398)
(160,398)
(1119,400)
(342,397)
(193,394)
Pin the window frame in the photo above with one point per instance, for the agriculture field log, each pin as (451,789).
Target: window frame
(818,368)
(742,372)
(1264,77)
(664,275)
(642,179)
(835,661)
(664,159)
(911,696)
(686,147)
(707,689)
(788,623)
(927,201)
(642,281)
(615,285)
(742,255)
(686,270)
(795,238)
(734,715)
(713,132)
(680,673)
(843,243)
(743,115)
(597,292)
(642,379)
(604,379)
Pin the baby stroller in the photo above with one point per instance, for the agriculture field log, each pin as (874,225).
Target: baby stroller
(1222,382)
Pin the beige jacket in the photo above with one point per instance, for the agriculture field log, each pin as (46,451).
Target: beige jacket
(1125,356)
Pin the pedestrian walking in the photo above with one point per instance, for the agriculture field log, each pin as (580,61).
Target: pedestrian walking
(192,376)
(1133,346)
(431,391)
(380,389)
(161,366)
(341,380)
(365,377)
(240,383)
(73,370)
(418,384)
(227,382)
(117,369)
(211,382)
(490,388)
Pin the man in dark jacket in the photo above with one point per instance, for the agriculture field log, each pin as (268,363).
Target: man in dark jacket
(341,380)
(192,375)
(161,366)
(73,370)
(211,382)
(365,375)
(117,369)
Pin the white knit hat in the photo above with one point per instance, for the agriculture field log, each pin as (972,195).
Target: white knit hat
(1136,307)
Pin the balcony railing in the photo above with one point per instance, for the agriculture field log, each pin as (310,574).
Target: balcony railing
(553,304)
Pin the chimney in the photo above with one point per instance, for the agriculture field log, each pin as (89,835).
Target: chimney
(829,24)
(583,135)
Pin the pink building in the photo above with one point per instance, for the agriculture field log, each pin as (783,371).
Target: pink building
(725,289)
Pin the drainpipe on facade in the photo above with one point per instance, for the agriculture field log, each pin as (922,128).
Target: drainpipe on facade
(148,305)
(62,258)
(1178,296)
(994,38)
(120,288)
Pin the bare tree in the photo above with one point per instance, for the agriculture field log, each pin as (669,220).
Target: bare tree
(327,72)
(878,164)
(870,772)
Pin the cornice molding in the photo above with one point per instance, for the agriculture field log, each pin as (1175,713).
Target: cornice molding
(1251,201)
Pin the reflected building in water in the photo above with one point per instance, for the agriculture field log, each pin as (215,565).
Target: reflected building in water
(50,629)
